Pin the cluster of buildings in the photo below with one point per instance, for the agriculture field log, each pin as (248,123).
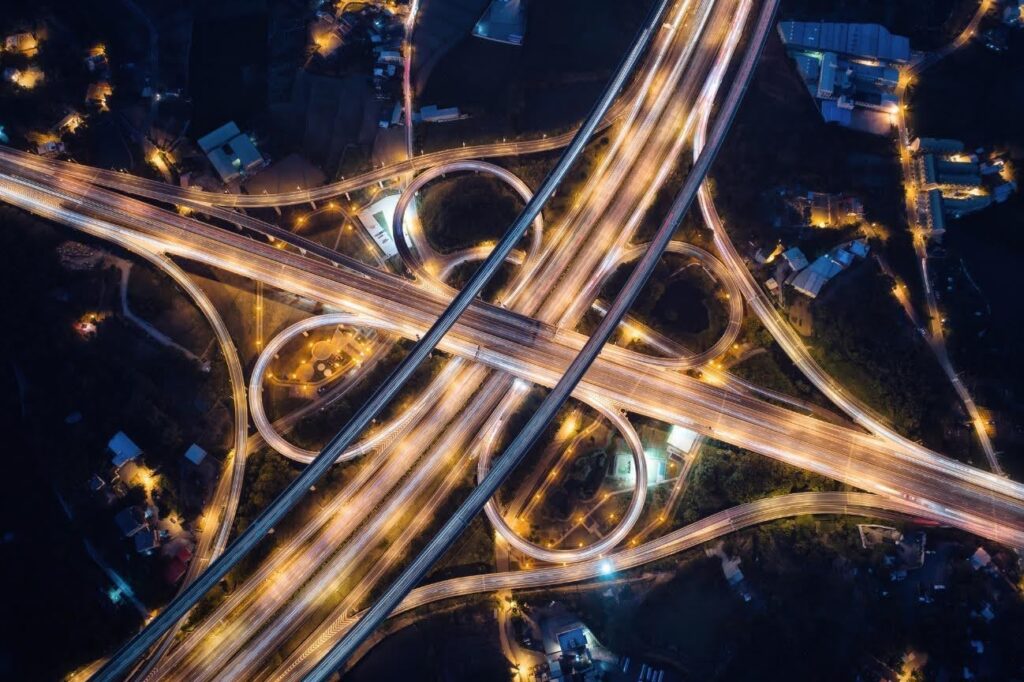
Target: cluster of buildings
(51,142)
(793,269)
(231,154)
(22,45)
(379,25)
(851,70)
(141,524)
(797,207)
(921,574)
(567,647)
(950,182)
(1007,15)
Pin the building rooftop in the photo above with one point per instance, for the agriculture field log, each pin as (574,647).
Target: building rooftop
(146,541)
(871,41)
(130,521)
(195,454)
(795,258)
(377,220)
(503,21)
(231,153)
(681,439)
(123,448)
(980,558)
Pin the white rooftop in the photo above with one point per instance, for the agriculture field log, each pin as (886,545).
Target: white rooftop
(681,439)
(231,153)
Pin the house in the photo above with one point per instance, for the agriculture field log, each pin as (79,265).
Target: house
(69,124)
(980,559)
(231,153)
(801,316)
(431,114)
(195,454)
(50,148)
(21,43)
(123,449)
(811,279)
(795,259)
(177,566)
(147,541)
(130,521)
(97,93)
(174,571)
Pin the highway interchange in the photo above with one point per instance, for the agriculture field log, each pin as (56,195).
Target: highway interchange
(319,576)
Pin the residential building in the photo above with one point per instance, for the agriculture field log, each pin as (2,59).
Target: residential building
(96,95)
(232,154)
(810,280)
(130,521)
(954,183)
(833,210)
(146,541)
(21,43)
(431,114)
(980,559)
(195,454)
(123,449)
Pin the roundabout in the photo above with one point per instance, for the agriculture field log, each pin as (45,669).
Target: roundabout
(427,263)
(381,438)
(609,541)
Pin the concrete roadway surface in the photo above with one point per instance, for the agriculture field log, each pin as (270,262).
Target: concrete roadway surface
(341,618)
(241,667)
(136,648)
(537,353)
(485,489)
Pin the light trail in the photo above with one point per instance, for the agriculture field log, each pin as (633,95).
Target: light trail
(620,376)
(136,648)
(412,574)
(707,529)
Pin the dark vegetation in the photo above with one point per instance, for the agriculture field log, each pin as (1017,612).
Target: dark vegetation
(862,338)
(456,646)
(726,476)
(117,381)
(550,82)
(463,211)
(975,95)
(823,608)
